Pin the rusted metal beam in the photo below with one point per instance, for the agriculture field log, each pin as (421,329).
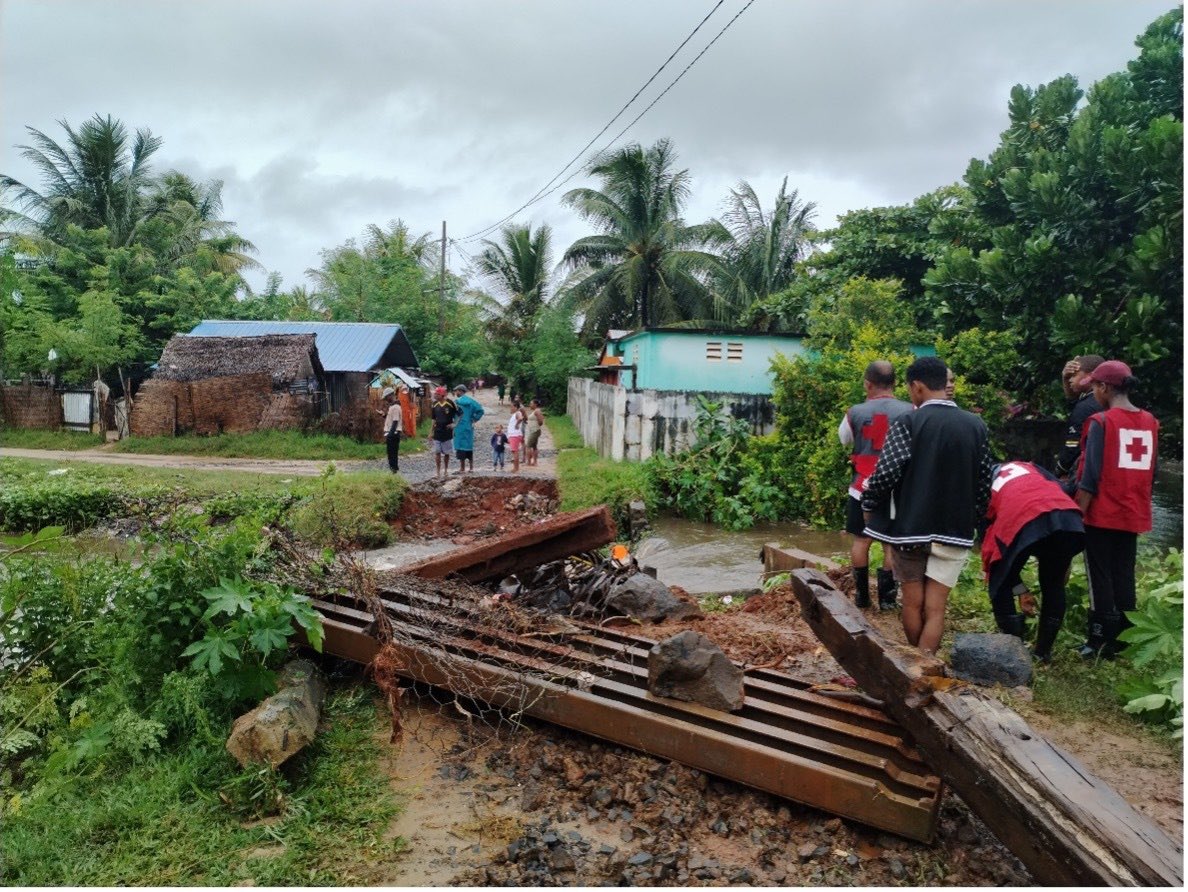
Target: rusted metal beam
(1069,827)
(550,540)
(841,757)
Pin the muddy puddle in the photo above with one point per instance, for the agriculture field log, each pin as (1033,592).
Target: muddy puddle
(702,558)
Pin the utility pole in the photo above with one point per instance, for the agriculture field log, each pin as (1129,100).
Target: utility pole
(441,294)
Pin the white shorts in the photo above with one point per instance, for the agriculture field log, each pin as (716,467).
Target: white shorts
(441,447)
(938,561)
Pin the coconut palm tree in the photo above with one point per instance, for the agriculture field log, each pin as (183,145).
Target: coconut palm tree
(99,178)
(644,268)
(760,250)
(186,215)
(518,266)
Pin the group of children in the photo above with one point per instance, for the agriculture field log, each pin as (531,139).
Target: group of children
(522,437)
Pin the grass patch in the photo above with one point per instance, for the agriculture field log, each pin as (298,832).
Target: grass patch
(22,438)
(163,823)
(283,445)
(585,480)
(565,433)
(354,508)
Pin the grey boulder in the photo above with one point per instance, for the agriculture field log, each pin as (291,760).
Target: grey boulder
(691,667)
(990,658)
(642,597)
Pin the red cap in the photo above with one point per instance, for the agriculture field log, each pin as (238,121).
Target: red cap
(1112,371)
(439,392)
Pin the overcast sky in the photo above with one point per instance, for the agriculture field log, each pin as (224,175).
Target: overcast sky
(323,117)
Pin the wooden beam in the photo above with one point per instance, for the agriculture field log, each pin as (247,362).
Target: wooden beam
(1069,827)
(784,560)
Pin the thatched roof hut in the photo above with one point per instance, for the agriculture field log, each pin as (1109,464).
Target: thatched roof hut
(287,358)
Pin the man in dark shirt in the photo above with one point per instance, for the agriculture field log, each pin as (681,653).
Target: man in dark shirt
(1079,389)
(441,441)
(930,487)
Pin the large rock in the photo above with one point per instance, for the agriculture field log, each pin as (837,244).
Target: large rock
(642,597)
(991,658)
(284,723)
(691,667)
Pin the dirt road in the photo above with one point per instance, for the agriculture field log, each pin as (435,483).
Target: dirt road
(416,467)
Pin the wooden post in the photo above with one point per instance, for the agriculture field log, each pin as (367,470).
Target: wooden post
(1069,827)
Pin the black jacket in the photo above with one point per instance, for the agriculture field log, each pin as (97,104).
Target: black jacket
(932,482)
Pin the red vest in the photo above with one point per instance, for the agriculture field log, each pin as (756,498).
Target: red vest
(1123,499)
(869,423)
(1019,494)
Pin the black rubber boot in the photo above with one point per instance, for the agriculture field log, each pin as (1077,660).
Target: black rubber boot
(1093,644)
(886,585)
(1113,624)
(861,586)
(1045,637)
(1011,624)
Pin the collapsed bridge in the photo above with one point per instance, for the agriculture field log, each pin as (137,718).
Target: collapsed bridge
(849,758)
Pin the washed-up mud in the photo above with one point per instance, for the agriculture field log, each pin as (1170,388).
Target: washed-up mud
(466,508)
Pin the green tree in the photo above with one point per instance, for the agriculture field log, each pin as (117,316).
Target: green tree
(98,179)
(760,249)
(645,266)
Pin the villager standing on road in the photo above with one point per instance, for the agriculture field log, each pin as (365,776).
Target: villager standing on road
(498,448)
(515,434)
(535,425)
(441,441)
(930,487)
(393,427)
(1115,478)
(469,411)
(1030,516)
(1079,389)
(864,429)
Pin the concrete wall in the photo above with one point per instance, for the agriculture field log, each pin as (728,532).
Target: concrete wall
(633,425)
(680,361)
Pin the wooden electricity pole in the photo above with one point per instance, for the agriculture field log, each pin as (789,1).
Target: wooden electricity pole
(441,294)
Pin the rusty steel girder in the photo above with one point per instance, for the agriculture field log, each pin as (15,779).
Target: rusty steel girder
(550,540)
(842,757)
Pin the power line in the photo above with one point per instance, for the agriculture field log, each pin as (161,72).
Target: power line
(653,102)
(541,192)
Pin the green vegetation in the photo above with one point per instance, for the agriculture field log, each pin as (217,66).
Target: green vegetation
(22,438)
(565,433)
(356,508)
(286,445)
(1144,682)
(585,480)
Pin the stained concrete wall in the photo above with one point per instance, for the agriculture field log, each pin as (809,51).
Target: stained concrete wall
(634,425)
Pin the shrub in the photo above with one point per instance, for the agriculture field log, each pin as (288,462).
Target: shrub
(351,510)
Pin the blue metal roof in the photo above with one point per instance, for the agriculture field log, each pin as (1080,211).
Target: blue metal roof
(342,346)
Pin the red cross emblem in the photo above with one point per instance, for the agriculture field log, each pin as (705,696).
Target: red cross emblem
(875,430)
(1135,449)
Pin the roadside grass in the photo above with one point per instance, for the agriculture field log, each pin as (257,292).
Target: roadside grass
(565,433)
(330,509)
(22,438)
(164,822)
(586,480)
(283,445)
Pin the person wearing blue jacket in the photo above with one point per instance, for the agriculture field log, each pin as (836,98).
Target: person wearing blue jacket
(469,411)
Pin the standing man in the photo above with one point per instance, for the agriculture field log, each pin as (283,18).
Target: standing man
(441,440)
(469,411)
(930,487)
(393,427)
(532,439)
(1115,478)
(1079,389)
(864,428)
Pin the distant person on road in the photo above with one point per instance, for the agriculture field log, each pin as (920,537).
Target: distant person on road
(1115,479)
(501,390)
(863,429)
(441,441)
(469,411)
(515,434)
(498,448)
(1079,390)
(532,440)
(929,490)
(393,427)
(1030,516)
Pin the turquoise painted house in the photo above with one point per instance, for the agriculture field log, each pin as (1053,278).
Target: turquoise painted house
(698,360)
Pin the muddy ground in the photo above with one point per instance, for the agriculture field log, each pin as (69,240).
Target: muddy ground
(486,803)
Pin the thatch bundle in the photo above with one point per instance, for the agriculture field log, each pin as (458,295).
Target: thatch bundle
(287,358)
